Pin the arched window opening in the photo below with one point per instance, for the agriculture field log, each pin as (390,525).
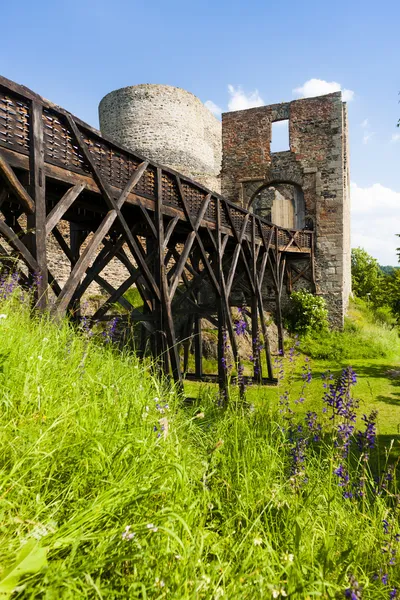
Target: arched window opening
(282,204)
(309,224)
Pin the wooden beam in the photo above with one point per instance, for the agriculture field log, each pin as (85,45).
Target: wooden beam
(166,308)
(199,241)
(15,186)
(16,243)
(187,247)
(115,206)
(90,251)
(62,206)
(38,187)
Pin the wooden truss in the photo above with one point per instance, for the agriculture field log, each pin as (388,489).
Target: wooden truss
(187,250)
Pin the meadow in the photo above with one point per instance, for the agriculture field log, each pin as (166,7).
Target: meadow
(112,486)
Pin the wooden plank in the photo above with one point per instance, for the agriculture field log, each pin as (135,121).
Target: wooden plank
(169,231)
(16,243)
(187,248)
(198,348)
(205,260)
(38,186)
(167,317)
(15,186)
(62,206)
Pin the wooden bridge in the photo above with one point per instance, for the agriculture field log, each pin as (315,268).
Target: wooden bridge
(175,238)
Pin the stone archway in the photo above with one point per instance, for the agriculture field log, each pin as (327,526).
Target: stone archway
(281,203)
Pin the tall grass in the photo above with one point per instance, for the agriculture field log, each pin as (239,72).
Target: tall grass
(366,334)
(114,488)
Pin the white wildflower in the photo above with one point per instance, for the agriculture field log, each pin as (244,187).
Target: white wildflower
(3,316)
(257,541)
(287,557)
(127,534)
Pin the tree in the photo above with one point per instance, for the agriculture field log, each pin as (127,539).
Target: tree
(366,276)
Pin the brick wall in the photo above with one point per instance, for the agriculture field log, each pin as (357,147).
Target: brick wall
(317,162)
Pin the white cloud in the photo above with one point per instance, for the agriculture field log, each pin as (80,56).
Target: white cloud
(319,87)
(240,100)
(396,137)
(375,221)
(214,108)
(367,136)
(365,124)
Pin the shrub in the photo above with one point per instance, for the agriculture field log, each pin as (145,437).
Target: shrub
(306,313)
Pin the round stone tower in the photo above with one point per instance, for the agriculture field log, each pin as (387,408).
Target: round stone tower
(167,125)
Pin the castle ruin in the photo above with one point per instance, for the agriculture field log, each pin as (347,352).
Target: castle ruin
(304,187)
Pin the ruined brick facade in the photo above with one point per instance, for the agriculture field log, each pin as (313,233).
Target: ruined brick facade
(316,167)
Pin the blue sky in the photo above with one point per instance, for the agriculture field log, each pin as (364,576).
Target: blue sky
(74,52)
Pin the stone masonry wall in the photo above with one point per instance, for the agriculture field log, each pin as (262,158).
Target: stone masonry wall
(317,162)
(168,125)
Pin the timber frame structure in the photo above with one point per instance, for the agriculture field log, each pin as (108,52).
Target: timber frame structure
(174,237)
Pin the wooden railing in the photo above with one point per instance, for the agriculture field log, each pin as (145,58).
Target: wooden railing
(116,164)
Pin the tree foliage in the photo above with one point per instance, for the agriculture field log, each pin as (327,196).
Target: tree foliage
(366,275)
(379,286)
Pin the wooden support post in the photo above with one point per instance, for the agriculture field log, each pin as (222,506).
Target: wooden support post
(198,348)
(166,309)
(76,237)
(222,331)
(37,221)
(187,343)
(278,292)
(257,370)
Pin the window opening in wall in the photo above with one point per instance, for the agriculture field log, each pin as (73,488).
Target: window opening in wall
(282,204)
(280,136)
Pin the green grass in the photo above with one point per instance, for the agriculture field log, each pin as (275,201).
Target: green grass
(212,504)
(366,335)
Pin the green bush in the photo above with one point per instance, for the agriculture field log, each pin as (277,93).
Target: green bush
(306,313)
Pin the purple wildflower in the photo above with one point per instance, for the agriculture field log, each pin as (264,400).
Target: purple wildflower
(385,524)
(315,428)
(366,439)
(354,591)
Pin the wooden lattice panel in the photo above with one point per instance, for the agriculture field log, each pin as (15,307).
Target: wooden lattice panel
(211,212)
(14,123)
(60,145)
(147,184)
(283,237)
(194,197)
(170,192)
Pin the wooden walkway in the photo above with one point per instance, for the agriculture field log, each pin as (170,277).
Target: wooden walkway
(182,238)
